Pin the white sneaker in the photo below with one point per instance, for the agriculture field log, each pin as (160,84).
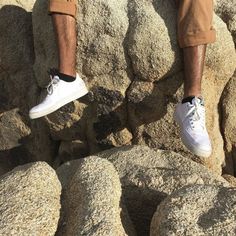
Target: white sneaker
(191,119)
(60,93)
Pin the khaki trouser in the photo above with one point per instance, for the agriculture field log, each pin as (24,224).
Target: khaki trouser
(194,19)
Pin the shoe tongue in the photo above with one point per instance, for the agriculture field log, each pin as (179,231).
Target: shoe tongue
(198,100)
(56,77)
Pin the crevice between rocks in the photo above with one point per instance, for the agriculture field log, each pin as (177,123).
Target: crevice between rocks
(130,66)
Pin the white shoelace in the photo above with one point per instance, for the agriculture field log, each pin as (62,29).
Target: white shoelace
(196,114)
(54,82)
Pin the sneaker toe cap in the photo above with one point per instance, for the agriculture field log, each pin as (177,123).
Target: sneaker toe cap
(199,144)
(34,109)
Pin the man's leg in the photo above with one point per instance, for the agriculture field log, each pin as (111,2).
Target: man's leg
(194,58)
(65,28)
(63,15)
(65,85)
(194,33)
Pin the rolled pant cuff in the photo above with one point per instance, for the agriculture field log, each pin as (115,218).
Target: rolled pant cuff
(196,39)
(67,8)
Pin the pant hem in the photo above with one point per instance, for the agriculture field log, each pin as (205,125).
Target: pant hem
(199,38)
(67,8)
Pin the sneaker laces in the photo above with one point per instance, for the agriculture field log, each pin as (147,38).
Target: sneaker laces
(197,114)
(54,81)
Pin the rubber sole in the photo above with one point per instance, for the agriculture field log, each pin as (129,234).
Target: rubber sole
(83,91)
(192,148)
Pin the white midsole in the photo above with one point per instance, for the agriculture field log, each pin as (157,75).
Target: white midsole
(83,91)
(193,148)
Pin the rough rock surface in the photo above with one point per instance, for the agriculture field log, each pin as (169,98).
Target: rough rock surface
(131,78)
(226,9)
(231,179)
(26,141)
(228,117)
(65,174)
(30,200)
(197,210)
(120,61)
(12,130)
(153,20)
(151,105)
(92,200)
(147,177)
(102,62)
(70,150)
(134,87)
(25,4)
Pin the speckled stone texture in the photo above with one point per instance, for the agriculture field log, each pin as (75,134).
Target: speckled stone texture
(134,84)
(226,9)
(197,210)
(147,177)
(21,141)
(231,179)
(228,114)
(30,200)
(92,200)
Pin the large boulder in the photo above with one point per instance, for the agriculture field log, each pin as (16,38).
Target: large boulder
(17,55)
(22,140)
(147,177)
(153,27)
(30,200)
(91,201)
(197,210)
(228,117)
(226,9)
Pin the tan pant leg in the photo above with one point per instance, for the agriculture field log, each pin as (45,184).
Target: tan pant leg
(195,22)
(67,7)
